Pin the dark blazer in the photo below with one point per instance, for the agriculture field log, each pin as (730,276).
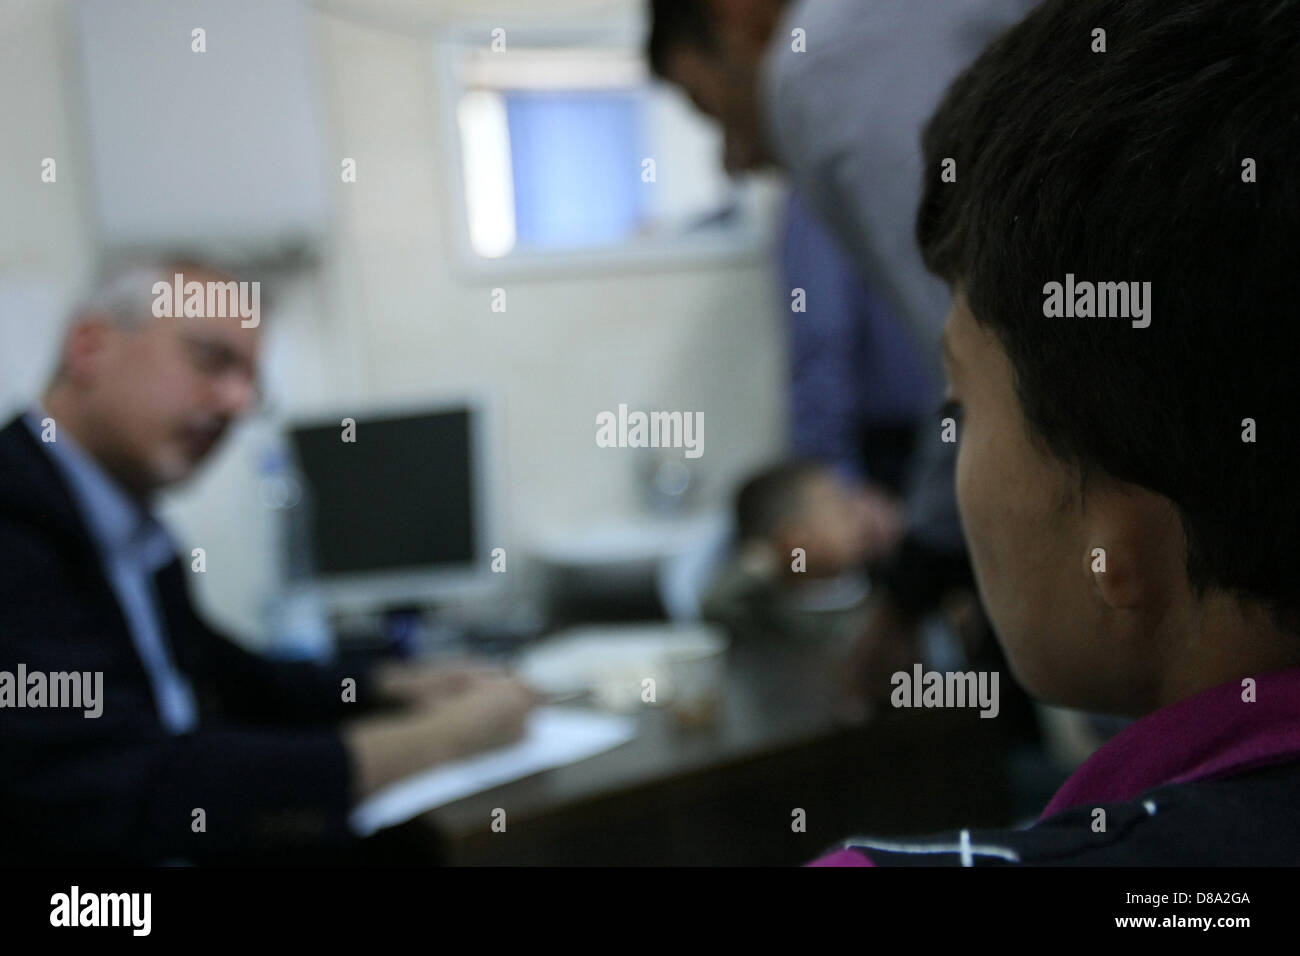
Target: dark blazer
(266,764)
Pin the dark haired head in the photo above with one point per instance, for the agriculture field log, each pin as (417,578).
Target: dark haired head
(1127,165)
(771,497)
(675,24)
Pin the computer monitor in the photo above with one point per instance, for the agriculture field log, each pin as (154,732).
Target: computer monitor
(401,515)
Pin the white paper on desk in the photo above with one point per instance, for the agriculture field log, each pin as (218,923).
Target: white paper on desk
(555,736)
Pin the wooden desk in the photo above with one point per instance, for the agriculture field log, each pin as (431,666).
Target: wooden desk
(725,795)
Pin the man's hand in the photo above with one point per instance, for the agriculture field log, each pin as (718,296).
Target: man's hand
(424,685)
(883,520)
(492,712)
(489,712)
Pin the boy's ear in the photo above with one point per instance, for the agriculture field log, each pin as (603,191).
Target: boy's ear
(1136,551)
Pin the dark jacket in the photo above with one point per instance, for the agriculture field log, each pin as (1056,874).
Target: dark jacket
(265,765)
(1210,780)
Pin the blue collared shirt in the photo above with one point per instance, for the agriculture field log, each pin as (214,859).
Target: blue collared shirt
(852,364)
(133,547)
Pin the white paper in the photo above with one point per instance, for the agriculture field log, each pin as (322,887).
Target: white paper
(555,736)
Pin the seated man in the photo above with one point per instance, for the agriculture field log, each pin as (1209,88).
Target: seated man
(1126,473)
(130,732)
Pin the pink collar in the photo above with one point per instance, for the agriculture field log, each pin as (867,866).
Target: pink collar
(1216,733)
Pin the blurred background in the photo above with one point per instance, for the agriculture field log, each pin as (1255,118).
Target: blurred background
(480,225)
(651,294)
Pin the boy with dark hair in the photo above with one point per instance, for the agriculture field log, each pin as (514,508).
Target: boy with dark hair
(1111,194)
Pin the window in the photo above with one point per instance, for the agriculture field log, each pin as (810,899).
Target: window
(566,151)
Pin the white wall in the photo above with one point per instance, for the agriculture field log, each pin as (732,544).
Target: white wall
(388,318)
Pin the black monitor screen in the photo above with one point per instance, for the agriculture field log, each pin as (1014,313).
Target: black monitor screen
(401,497)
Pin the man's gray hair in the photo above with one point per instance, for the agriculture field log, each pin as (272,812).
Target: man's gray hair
(123,287)
(124,292)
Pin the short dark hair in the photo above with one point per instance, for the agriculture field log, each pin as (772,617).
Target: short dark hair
(771,497)
(675,24)
(1127,165)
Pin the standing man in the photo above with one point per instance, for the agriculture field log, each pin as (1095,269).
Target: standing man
(858,388)
(836,92)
